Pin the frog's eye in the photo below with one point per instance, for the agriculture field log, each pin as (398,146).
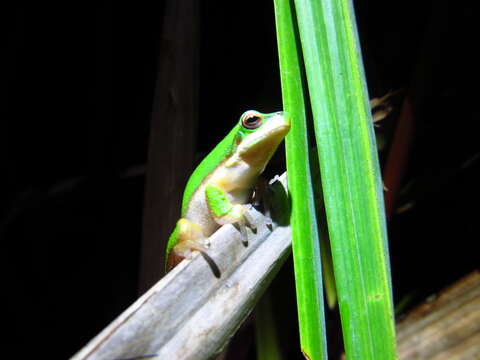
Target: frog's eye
(251,120)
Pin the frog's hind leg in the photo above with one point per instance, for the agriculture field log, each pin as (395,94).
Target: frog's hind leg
(186,238)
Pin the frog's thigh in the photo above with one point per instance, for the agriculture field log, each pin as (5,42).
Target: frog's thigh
(186,237)
(190,235)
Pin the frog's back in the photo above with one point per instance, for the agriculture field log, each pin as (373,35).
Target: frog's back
(207,166)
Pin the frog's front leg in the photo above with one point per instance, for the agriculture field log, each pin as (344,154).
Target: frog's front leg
(224,211)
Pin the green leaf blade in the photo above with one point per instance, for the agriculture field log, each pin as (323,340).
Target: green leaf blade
(308,274)
(350,176)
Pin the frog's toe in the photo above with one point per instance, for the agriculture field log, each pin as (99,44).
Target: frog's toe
(212,264)
(269,223)
(249,220)
(244,234)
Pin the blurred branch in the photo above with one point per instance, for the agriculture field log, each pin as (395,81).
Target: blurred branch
(445,327)
(172,133)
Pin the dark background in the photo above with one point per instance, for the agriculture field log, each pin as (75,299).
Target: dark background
(77,86)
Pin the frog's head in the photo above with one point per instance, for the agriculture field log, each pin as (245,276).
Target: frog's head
(259,136)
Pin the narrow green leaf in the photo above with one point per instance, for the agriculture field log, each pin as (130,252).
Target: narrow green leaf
(350,176)
(306,252)
(268,347)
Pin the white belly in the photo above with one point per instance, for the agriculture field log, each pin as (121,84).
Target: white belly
(237,181)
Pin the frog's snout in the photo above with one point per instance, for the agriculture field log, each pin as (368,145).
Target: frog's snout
(285,117)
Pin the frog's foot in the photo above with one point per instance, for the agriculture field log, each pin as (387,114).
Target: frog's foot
(186,249)
(188,237)
(258,194)
(241,218)
(248,219)
(277,204)
(261,198)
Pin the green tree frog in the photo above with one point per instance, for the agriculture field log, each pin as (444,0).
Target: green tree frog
(224,181)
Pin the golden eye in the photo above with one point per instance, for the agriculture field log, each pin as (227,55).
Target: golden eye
(251,120)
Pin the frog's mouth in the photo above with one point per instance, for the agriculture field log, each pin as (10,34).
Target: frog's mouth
(258,147)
